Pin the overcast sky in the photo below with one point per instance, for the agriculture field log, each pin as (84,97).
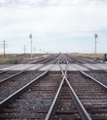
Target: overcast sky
(56,25)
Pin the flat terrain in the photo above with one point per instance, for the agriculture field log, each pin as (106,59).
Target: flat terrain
(19,58)
(88,55)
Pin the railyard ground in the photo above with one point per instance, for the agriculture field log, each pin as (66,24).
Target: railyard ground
(23,58)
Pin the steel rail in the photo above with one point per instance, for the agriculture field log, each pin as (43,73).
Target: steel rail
(78,64)
(4,80)
(9,68)
(46,59)
(104,87)
(64,57)
(80,107)
(22,90)
(51,111)
(49,60)
(53,106)
(96,81)
(99,68)
(39,60)
(85,60)
(19,65)
(61,69)
(88,61)
(77,59)
(66,68)
(96,67)
(93,65)
(54,59)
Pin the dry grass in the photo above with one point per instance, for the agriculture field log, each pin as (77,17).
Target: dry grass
(3,59)
(41,56)
(98,56)
(11,59)
(18,58)
(45,56)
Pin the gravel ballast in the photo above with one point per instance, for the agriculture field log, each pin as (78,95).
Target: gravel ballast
(16,83)
(38,98)
(102,77)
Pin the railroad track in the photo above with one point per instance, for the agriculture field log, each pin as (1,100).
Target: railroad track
(49,84)
(12,83)
(58,96)
(102,77)
(35,102)
(79,60)
(7,76)
(40,61)
(91,95)
(45,60)
(82,62)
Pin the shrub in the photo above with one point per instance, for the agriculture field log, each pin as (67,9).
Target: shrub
(12,60)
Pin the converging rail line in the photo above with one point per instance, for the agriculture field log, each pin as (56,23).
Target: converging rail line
(62,96)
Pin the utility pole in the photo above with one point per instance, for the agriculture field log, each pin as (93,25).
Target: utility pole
(4,45)
(31,45)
